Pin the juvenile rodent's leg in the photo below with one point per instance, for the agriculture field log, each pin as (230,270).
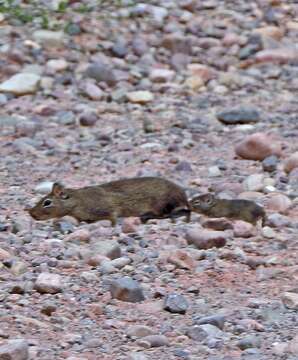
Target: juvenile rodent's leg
(113,219)
(147,216)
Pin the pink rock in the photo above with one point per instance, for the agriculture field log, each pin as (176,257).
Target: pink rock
(130,225)
(161,75)
(257,147)
(4,255)
(291,163)
(278,202)
(219,224)
(206,239)
(47,283)
(244,229)
(82,235)
(93,91)
(273,32)
(182,260)
(279,56)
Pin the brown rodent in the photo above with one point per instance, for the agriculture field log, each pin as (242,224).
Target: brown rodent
(145,197)
(241,209)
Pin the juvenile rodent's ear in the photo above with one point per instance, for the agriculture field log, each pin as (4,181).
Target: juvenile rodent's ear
(58,190)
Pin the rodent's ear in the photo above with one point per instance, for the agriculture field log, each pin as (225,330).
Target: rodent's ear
(58,190)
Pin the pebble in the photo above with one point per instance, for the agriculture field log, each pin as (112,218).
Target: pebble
(249,341)
(79,235)
(57,65)
(268,232)
(216,320)
(152,341)
(181,260)
(88,118)
(254,182)
(206,239)
(4,255)
(175,303)
(130,225)
(277,220)
(290,299)
(243,229)
(127,289)
(49,38)
(21,84)
(48,283)
(257,147)
(241,115)
(139,331)
(219,224)
(17,349)
(108,248)
(140,97)
(269,164)
(44,187)
(101,72)
(161,75)
(214,171)
(281,55)
(278,202)
(92,91)
(291,162)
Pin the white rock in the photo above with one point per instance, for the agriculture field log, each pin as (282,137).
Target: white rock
(214,171)
(48,283)
(49,38)
(21,84)
(44,187)
(290,299)
(161,75)
(268,232)
(14,350)
(254,182)
(140,97)
(57,64)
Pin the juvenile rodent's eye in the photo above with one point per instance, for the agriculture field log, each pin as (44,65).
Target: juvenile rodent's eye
(47,203)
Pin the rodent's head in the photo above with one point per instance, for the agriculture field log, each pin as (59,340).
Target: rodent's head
(203,202)
(58,203)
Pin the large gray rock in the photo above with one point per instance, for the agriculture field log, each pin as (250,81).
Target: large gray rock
(176,303)
(48,283)
(127,289)
(108,248)
(21,84)
(14,350)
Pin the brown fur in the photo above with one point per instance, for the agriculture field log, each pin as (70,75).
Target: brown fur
(145,197)
(245,210)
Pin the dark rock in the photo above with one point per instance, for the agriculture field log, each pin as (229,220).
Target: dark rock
(183,166)
(241,115)
(88,118)
(219,224)
(120,48)
(249,341)
(175,303)
(127,289)
(139,46)
(101,72)
(216,320)
(270,163)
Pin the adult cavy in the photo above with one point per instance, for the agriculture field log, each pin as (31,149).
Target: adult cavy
(145,197)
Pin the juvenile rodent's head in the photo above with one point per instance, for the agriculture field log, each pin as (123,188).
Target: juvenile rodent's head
(58,203)
(203,202)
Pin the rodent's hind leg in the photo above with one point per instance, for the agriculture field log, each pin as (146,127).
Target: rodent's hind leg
(147,216)
(181,212)
(113,219)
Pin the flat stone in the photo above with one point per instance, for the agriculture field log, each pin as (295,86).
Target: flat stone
(108,248)
(48,283)
(161,75)
(101,72)
(206,239)
(182,260)
(21,84)
(249,341)
(290,299)
(139,331)
(254,182)
(241,115)
(127,289)
(175,303)
(14,350)
(49,38)
(216,320)
(140,97)
(151,341)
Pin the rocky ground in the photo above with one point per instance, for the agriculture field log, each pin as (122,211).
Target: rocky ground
(200,92)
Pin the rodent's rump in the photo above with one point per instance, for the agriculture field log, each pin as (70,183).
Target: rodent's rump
(145,197)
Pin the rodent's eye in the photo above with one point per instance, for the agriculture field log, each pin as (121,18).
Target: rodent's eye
(47,203)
